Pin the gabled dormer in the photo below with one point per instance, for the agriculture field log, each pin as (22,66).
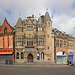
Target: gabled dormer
(29,22)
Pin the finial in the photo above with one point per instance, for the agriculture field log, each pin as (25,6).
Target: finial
(46,9)
(5,19)
(39,14)
(19,15)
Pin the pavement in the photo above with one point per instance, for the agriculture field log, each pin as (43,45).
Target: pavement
(35,65)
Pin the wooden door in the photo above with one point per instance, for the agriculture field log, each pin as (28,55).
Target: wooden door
(30,58)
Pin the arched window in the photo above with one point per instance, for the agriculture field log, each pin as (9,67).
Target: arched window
(17,55)
(38,56)
(42,56)
(21,55)
(5,30)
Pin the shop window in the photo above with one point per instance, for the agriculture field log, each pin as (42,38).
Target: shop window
(17,55)
(5,30)
(21,55)
(42,56)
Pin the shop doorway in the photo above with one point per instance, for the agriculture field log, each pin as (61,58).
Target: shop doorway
(30,58)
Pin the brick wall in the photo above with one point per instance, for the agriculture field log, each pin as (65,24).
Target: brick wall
(5,24)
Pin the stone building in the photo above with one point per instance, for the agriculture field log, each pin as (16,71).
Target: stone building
(33,40)
(36,41)
(64,46)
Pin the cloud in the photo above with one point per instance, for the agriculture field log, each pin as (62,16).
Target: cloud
(62,12)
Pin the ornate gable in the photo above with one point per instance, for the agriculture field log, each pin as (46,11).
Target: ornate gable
(6,25)
(29,22)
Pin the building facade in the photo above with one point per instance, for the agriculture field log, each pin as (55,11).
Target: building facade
(33,40)
(64,47)
(36,41)
(6,42)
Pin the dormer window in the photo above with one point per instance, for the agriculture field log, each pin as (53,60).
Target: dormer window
(5,30)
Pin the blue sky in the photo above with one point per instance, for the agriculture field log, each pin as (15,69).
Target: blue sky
(62,12)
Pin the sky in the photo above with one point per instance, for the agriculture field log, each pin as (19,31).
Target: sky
(62,12)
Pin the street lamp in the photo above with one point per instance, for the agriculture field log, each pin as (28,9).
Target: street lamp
(54,47)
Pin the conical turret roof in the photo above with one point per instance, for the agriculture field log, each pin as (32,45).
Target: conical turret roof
(40,21)
(19,22)
(47,16)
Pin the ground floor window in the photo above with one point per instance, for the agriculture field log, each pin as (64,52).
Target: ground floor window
(38,56)
(42,56)
(17,55)
(21,55)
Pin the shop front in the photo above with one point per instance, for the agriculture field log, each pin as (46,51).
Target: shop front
(6,55)
(61,57)
(71,56)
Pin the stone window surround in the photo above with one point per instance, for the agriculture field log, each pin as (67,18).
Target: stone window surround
(19,40)
(40,41)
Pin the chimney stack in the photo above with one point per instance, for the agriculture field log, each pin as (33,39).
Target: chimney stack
(32,15)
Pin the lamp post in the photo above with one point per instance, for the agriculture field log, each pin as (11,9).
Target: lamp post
(54,47)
